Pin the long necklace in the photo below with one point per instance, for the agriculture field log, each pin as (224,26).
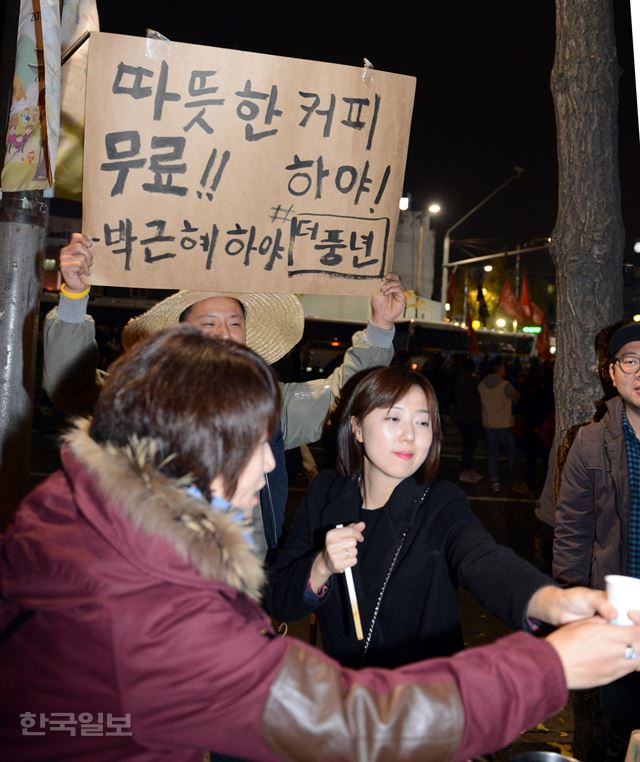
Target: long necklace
(374,616)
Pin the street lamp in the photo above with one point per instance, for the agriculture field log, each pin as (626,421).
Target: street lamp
(517,172)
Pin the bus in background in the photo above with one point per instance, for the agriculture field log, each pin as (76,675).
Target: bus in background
(325,341)
(422,338)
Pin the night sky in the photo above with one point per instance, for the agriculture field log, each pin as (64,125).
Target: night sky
(483,101)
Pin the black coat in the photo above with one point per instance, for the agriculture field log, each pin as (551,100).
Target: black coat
(445,546)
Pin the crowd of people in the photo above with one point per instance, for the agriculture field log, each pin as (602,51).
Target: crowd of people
(509,403)
(139,581)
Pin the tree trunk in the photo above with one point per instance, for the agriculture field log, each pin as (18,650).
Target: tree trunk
(588,238)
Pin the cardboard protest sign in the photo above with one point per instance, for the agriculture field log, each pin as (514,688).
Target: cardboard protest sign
(218,169)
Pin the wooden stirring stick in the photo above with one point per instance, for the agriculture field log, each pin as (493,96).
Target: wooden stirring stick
(351,588)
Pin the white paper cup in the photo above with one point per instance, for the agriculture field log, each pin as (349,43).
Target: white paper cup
(624,593)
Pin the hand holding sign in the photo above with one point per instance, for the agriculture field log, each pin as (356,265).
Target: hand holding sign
(75,262)
(388,305)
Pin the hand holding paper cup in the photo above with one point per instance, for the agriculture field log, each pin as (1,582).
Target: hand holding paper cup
(623,593)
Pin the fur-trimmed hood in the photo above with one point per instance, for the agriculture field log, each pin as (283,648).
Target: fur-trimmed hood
(123,480)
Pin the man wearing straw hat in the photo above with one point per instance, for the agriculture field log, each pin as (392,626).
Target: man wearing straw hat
(270,324)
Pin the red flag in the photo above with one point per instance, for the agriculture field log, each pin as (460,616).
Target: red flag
(525,297)
(530,308)
(543,348)
(509,304)
(537,315)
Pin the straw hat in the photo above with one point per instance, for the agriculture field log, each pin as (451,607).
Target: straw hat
(274,322)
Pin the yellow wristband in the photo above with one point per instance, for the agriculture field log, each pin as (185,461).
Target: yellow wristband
(71,294)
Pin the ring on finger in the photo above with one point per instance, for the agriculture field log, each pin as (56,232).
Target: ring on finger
(630,653)
(347,553)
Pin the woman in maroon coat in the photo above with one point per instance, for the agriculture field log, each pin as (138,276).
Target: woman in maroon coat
(131,628)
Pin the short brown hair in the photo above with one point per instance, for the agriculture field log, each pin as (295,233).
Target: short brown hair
(205,402)
(382,388)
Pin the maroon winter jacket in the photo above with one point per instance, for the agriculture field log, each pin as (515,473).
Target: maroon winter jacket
(131,631)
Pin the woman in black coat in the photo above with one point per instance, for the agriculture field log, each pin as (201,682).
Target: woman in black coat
(409,540)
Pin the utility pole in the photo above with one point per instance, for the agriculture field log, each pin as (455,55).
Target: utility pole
(517,172)
(23,223)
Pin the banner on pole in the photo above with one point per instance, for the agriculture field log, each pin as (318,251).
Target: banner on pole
(78,16)
(531,310)
(34,117)
(509,303)
(218,169)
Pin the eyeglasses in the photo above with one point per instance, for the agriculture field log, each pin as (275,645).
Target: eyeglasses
(628,363)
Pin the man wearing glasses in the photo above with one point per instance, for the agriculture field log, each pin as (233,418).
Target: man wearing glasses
(598,516)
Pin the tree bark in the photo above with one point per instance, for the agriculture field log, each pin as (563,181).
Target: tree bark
(588,239)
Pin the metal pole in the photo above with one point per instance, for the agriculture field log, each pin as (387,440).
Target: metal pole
(489,257)
(466,294)
(23,219)
(23,224)
(517,172)
(515,322)
(73,47)
(444,293)
(419,253)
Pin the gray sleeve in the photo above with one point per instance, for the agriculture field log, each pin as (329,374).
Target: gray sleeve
(305,405)
(70,375)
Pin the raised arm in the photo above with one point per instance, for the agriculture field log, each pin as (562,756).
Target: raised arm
(70,375)
(305,405)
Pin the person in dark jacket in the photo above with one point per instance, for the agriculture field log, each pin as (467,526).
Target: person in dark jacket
(409,540)
(130,627)
(468,415)
(597,528)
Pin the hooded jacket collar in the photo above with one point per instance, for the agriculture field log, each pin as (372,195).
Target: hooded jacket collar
(151,519)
